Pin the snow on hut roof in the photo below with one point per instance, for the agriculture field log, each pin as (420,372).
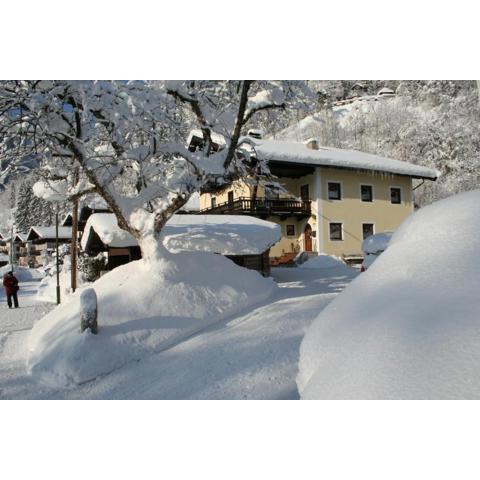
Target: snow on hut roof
(193,204)
(224,234)
(293,152)
(49,232)
(106,227)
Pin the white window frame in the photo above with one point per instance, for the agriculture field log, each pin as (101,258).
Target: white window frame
(343,231)
(373,192)
(341,192)
(368,223)
(390,194)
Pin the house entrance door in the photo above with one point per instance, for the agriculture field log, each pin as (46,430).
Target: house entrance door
(307,238)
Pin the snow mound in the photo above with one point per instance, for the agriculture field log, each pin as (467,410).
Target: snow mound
(47,290)
(142,308)
(410,326)
(376,243)
(23,274)
(323,261)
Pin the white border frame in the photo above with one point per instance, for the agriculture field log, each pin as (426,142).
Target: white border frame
(342,192)
(390,195)
(343,231)
(360,185)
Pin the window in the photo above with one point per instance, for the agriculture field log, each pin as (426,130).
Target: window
(334,191)
(214,202)
(396,195)
(366,193)
(336,231)
(290,230)
(304,193)
(230,198)
(367,230)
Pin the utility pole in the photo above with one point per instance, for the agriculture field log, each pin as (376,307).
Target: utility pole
(73,246)
(11,247)
(57,259)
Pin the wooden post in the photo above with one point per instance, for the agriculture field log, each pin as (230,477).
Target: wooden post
(57,259)
(73,245)
(89,311)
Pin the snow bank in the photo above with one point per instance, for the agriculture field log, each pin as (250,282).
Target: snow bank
(410,326)
(142,308)
(23,274)
(47,289)
(323,261)
(376,243)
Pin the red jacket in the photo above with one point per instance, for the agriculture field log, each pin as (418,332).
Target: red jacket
(10,283)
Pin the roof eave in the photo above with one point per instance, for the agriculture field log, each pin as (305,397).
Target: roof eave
(357,169)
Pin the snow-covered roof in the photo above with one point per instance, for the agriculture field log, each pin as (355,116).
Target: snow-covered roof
(22,237)
(216,137)
(106,227)
(293,152)
(50,232)
(386,91)
(224,234)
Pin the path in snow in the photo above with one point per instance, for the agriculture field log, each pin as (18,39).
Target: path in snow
(15,325)
(252,356)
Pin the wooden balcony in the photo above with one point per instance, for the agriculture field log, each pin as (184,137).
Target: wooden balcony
(262,207)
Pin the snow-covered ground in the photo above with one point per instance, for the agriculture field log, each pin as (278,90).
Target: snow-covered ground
(253,354)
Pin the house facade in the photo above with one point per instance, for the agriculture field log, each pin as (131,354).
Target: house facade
(329,200)
(40,244)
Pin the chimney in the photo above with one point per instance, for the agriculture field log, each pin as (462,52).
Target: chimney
(312,144)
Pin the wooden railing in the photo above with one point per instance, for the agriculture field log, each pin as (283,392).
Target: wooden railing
(261,206)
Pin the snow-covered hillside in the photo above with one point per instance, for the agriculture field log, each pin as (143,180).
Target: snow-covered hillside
(408,327)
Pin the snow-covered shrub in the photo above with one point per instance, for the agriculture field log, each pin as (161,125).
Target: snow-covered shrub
(92,267)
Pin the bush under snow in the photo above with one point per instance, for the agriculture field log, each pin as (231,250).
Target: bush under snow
(142,308)
(410,326)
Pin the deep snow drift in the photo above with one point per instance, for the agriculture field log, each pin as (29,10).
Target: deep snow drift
(410,326)
(142,308)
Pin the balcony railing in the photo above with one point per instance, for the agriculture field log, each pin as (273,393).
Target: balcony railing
(262,207)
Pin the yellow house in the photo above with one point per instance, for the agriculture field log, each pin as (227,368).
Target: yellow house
(330,199)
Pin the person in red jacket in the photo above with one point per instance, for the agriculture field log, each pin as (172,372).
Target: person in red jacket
(10,283)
